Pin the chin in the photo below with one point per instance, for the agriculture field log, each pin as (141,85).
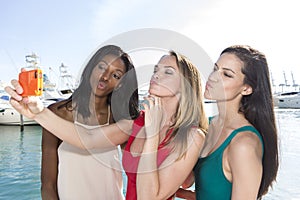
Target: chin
(207,96)
(153,92)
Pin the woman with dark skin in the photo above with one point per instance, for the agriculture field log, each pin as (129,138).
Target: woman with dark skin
(69,172)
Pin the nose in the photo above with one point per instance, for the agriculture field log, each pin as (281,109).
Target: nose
(105,75)
(155,75)
(214,76)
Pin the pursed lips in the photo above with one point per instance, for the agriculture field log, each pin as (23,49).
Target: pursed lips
(101,85)
(207,86)
(153,82)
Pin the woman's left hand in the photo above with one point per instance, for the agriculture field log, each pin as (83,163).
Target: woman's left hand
(153,115)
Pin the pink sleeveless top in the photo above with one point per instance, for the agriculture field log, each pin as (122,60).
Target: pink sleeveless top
(130,162)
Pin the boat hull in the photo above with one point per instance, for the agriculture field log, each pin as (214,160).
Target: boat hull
(288,100)
(9,116)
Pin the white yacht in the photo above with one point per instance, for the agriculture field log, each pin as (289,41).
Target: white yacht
(52,93)
(287,100)
(289,97)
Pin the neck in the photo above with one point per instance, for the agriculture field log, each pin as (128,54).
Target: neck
(169,105)
(228,111)
(98,104)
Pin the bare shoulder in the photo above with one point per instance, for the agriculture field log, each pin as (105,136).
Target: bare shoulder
(245,143)
(61,110)
(197,135)
(246,138)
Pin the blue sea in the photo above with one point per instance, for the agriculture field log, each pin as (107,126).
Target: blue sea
(20,158)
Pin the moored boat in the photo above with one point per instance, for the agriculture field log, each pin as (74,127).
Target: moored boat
(51,94)
(9,116)
(287,100)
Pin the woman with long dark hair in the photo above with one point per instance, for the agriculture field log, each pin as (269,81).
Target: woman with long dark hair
(240,157)
(69,172)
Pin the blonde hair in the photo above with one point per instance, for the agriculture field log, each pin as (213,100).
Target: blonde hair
(190,111)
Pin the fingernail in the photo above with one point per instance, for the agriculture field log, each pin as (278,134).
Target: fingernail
(19,90)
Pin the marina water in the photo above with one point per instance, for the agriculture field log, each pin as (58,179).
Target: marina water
(20,158)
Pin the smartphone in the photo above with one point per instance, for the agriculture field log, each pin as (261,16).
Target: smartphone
(31,82)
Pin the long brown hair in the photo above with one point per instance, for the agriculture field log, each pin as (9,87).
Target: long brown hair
(258,108)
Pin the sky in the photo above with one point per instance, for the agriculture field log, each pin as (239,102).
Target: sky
(69,31)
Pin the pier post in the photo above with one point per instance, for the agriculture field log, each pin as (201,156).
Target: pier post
(21,123)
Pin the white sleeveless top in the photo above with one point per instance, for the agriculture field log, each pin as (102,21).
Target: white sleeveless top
(89,174)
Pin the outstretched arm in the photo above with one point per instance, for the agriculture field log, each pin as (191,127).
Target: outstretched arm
(76,135)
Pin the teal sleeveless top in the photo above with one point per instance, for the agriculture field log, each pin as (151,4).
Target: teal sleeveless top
(210,181)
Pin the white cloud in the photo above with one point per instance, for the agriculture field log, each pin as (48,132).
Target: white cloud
(268,25)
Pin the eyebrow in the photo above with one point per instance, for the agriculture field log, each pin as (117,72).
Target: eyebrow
(109,64)
(103,61)
(224,68)
(120,71)
(164,66)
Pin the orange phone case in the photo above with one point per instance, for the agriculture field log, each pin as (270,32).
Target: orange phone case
(31,82)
